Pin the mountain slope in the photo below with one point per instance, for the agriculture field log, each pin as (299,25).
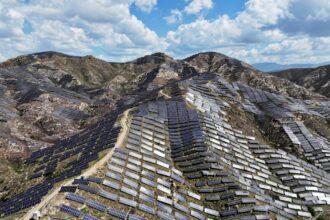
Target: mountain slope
(314,79)
(210,149)
(70,71)
(48,96)
(204,137)
(273,67)
(235,70)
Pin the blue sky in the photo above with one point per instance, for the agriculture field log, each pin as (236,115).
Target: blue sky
(155,19)
(282,31)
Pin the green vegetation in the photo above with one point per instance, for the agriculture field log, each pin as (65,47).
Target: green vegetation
(323,217)
(311,210)
(20,112)
(82,123)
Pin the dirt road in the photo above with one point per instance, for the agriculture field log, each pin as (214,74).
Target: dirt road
(91,170)
(161,92)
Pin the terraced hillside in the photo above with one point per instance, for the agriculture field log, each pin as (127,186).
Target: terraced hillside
(314,79)
(46,97)
(205,148)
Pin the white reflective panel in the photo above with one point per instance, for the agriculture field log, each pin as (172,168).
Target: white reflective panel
(148,167)
(147,147)
(159,153)
(133,154)
(164,189)
(194,195)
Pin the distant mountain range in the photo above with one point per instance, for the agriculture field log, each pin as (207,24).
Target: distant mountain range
(272,67)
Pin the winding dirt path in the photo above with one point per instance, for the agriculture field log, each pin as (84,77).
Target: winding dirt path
(161,92)
(91,170)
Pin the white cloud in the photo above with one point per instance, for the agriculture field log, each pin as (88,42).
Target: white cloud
(146,5)
(11,21)
(261,13)
(174,17)
(265,30)
(71,27)
(278,30)
(196,6)
(203,34)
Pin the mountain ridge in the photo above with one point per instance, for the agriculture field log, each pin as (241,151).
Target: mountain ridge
(314,79)
(275,67)
(36,85)
(95,73)
(60,114)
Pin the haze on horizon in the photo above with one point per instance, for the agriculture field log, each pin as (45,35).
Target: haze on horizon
(282,31)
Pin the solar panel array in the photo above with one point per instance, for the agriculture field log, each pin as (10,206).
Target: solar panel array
(141,177)
(216,83)
(26,199)
(71,114)
(181,162)
(315,149)
(276,106)
(85,146)
(268,184)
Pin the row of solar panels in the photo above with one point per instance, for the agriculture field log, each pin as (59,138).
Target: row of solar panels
(87,154)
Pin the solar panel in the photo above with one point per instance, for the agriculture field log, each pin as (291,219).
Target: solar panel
(196,206)
(211,212)
(164,216)
(88,189)
(89,217)
(179,216)
(120,155)
(164,207)
(197,215)
(148,174)
(181,207)
(111,184)
(96,205)
(118,161)
(108,195)
(134,161)
(148,182)
(147,209)
(134,167)
(127,202)
(117,213)
(114,176)
(70,210)
(128,191)
(68,189)
(165,200)
(94,179)
(76,198)
(163,173)
(146,191)
(135,217)
(147,198)
(130,183)
(164,183)
(132,175)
